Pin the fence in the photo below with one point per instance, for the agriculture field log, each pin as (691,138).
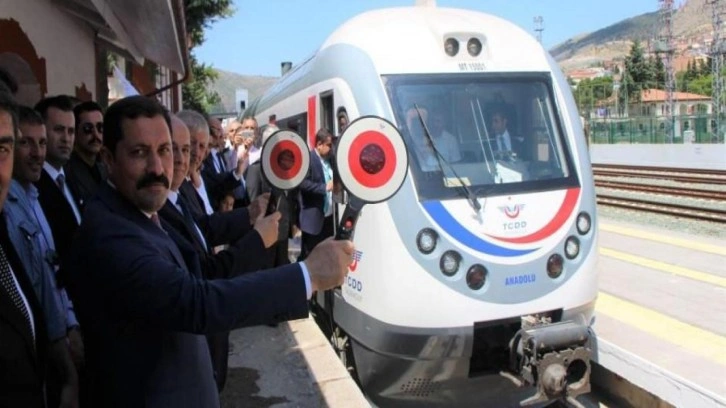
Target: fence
(653,130)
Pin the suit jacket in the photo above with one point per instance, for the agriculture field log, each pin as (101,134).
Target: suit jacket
(196,205)
(22,361)
(312,197)
(144,306)
(218,229)
(217,184)
(242,256)
(59,213)
(82,179)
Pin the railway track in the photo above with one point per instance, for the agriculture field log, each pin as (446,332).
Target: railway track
(684,211)
(672,191)
(702,176)
(659,169)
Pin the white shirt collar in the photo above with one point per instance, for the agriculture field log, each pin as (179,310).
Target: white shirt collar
(173,196)
(52,172)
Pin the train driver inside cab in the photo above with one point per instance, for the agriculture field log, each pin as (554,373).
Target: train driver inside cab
(446,144)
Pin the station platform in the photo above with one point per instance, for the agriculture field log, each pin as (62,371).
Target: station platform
(661,315)
(291,365)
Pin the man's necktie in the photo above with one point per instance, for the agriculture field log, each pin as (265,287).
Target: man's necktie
(8,283)
(61,182)
(181,203)
(220,158)
(184,209)
(155,219)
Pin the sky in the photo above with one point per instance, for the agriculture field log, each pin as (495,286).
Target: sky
(263,33)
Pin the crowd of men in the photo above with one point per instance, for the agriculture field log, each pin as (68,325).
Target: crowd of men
(134,239)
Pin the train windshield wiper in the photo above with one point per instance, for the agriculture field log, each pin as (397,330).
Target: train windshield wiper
(473,202)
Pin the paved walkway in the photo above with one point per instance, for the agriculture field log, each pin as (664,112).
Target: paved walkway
(291,365)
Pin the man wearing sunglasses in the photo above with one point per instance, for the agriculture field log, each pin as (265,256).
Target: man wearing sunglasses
(84,171)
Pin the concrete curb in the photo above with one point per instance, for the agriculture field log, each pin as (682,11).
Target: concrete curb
(326,370)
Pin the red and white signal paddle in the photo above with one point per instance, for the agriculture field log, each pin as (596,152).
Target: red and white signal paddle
(285,160)
(372,163)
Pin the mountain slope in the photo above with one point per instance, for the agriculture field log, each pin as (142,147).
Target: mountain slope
(228,82)
(691,20)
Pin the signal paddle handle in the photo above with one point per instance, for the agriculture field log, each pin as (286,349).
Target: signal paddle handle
(346,228)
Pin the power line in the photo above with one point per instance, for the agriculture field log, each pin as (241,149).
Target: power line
(718,49)
(664,48)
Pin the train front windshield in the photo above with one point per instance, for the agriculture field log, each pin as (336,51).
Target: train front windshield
(493,133)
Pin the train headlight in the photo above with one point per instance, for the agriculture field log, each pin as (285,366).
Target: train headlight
(476,276)
(426,240)
(572,247)
(555,265)
(584,223)
(451,46)
(449,262)
(474,47)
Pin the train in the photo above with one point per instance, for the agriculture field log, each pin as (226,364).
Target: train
(475,284)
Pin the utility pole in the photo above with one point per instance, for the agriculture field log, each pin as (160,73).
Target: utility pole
(539,27)
(664,49)
(718,49)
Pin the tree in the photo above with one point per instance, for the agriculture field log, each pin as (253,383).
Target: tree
(195,93)
(639,73)
(591,92)
(702,85)
(200,14)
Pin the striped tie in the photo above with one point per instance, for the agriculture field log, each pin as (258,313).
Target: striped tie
(8,283)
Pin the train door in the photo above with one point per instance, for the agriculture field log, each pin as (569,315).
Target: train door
(327,113)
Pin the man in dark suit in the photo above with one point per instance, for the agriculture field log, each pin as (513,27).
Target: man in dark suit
(55,196)
(139,290)
(210,185)
(22,325)
(316,199)
(84,170)
(220,228)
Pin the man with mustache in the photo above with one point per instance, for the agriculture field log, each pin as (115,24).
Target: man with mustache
(84,171)
(139,290)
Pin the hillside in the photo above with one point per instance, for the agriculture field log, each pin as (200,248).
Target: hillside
(228,82)
(614,41)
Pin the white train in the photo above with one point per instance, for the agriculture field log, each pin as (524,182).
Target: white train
(475,284)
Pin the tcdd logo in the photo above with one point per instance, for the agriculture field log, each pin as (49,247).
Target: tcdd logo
(354,284)
(357,256)
(512,211)
(516,225)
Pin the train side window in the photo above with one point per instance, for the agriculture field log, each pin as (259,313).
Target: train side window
(327,113)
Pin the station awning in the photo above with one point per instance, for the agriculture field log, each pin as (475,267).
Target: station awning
(137,29)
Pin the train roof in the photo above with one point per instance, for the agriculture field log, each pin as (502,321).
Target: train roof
(411,39)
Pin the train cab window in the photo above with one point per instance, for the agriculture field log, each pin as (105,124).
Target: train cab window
(494,134)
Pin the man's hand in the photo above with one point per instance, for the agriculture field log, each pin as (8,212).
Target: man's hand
(328,263)
(267,227)
(75,345)
(257,207)
(329,186)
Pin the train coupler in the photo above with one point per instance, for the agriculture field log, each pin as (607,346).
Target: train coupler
(554,358)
